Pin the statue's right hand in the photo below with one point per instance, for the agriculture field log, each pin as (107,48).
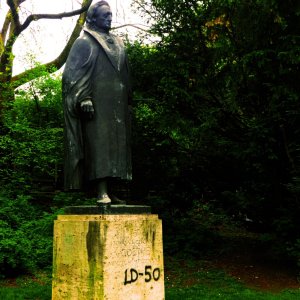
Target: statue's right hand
(87,108)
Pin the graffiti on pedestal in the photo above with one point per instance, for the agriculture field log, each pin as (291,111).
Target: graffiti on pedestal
(149,274)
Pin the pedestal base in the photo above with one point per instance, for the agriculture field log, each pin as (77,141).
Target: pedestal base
(112,257)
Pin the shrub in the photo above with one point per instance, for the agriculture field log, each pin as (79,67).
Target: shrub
(26,236)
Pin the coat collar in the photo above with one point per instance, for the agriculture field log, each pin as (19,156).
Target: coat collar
(112,46)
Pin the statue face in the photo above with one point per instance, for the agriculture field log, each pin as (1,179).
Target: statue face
(103,17)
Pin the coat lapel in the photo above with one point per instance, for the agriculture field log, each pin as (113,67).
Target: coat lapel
(115,53)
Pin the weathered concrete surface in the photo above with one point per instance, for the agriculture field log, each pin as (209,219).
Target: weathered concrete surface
(111,257)
(107,210)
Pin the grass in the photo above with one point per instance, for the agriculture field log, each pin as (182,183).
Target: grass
(200,292)
(215,284)
(184,280)
(36,287)
(32,292)
(192,280)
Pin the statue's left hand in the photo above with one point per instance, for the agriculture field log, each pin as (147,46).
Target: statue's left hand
(87,108)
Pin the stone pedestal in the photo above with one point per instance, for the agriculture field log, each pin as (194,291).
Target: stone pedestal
(108,256)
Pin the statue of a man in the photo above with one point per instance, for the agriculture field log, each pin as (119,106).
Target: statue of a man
(96,94)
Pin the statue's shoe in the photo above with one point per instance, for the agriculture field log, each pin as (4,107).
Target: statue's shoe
(116,200)
(104,200)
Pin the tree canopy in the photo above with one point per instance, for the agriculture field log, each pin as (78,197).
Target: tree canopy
(225,105)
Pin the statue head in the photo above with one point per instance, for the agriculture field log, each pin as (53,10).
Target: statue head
(99,16)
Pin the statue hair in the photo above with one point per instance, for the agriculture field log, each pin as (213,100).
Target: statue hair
(90,16)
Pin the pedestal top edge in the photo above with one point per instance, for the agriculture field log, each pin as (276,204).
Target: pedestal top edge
(98,217)
(107,210)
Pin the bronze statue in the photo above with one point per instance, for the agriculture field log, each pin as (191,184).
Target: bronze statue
(96,96)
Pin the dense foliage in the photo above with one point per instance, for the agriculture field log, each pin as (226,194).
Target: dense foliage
(223,109)
(26,236)
(215,132)
(30,162)
(31,147)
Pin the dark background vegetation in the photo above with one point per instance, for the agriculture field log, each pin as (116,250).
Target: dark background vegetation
(216,129)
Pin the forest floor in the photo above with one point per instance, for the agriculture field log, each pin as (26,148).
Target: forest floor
(247,261)
(248,268)
(243,269)
(252,269)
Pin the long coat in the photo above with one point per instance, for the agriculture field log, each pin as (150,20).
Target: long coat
(96,69)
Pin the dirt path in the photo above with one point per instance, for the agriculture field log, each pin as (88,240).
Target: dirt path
(258,274)
(251,264)
(248,259)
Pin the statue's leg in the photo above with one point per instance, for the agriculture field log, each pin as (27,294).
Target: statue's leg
(112,189)
(102,195)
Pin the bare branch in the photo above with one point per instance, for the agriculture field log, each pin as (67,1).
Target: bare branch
(36,17)
(56,63)
(131,25)
(145,7)
(14,12)
(8,20)
(5,26)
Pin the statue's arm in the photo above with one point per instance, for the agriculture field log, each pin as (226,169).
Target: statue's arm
(77,77)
